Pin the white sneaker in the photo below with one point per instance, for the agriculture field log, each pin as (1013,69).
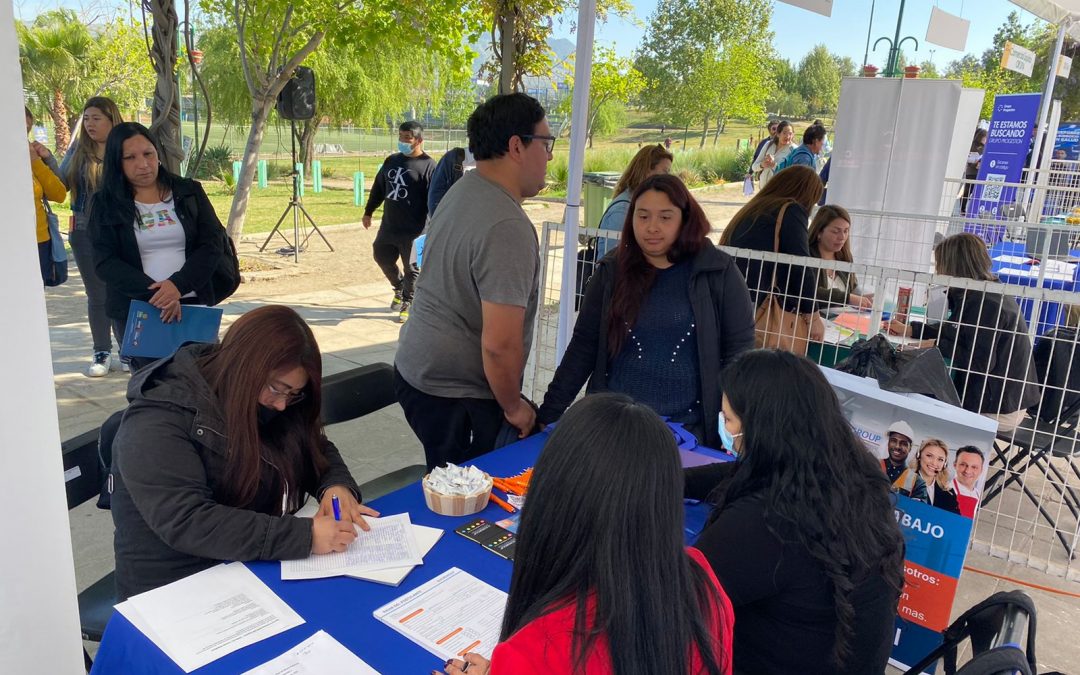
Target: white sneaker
(125,366)
(99,367)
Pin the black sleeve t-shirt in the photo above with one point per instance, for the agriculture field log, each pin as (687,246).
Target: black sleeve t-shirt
(402,186)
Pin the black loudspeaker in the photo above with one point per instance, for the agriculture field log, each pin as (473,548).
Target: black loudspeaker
(297,100)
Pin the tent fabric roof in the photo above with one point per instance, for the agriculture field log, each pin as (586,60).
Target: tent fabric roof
(1054,11)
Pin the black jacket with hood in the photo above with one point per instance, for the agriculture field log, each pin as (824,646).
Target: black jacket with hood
(725,328)
(168,466)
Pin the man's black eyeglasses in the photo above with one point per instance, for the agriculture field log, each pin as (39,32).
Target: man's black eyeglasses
(549,141)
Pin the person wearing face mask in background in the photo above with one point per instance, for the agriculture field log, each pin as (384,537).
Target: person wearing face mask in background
(219,446)
(401,184)
(814,589)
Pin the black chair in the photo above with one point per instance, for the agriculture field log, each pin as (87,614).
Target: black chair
(361,391)
(996,628)
(87,466)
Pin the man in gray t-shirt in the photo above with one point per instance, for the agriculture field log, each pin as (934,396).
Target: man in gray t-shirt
(461,355)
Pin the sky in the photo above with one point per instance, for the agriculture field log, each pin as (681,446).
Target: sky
(797,30)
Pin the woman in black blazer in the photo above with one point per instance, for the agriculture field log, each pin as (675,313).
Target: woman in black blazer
(930,461)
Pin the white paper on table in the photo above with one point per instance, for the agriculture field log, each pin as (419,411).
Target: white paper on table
(1060,267)
(317,655)
(1033,273)
(201,618)
(450,615)
(1013,259)
(389,543)
(426,538)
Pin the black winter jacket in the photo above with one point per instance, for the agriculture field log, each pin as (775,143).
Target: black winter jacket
(116,252)
(725,328)
(986,338)
(168,466)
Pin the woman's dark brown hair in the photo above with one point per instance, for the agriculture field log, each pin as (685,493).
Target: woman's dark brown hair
(798,184)
(634,273)
(262,342)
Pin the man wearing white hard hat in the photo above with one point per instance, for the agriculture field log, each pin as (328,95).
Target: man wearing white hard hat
(907,481)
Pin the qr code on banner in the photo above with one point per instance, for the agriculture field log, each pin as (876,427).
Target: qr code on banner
(992,193)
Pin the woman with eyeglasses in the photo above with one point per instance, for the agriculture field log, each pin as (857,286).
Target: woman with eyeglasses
(219,447)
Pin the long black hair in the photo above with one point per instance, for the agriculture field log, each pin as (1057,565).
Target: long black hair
(604,519)
(819,482)
(114,191)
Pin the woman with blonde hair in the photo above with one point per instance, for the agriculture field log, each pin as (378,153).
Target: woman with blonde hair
(985,337)
(775,220)
(830,239)
(930,461)
(649,161)
(81,170)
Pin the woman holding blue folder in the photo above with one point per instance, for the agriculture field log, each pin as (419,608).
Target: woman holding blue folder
(156,237)
(220,445)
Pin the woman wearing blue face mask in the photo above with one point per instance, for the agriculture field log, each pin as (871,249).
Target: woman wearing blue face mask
(220,446)
(802,535)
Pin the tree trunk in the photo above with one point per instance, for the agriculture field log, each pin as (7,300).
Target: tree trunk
(59,113)
(238,212)
(506,49)
(719,130)
(307,142)
(704,133)
(165,117)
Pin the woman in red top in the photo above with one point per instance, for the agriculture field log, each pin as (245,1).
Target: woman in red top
(602,582)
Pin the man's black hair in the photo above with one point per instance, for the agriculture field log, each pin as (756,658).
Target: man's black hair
(497,119)
(414,127)
(971,449)
(814,132)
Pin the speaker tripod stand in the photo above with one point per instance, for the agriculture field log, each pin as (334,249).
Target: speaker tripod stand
(296,207)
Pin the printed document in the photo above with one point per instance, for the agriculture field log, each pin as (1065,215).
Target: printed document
(317,655)
(201,618)
(389,543)
(426,538)
(450,615)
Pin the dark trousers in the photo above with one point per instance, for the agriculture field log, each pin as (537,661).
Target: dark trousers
(389,247)
(100,324)
(44,255)
(450,429)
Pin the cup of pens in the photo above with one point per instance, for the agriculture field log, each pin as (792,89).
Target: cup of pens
(457,490)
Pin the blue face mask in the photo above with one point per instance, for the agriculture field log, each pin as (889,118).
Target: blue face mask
(404,148)
(727,439)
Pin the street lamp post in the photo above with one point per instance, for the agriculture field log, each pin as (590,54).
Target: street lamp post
(893,67)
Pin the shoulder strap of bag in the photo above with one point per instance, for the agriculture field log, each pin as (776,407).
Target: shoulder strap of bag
(776,240)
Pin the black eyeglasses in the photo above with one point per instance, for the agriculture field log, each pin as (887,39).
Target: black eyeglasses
(549,144)
(290,397)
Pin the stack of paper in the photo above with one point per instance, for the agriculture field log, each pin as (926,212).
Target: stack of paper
(317,655)
(450,615)
(385,554)
(203,617)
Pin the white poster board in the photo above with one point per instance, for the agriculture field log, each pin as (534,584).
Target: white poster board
(947,30)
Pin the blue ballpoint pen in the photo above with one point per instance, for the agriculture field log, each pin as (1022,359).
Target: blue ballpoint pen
(337,507)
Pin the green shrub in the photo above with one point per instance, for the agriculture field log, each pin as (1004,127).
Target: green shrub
(215,161)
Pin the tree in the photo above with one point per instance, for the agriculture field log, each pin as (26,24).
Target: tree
(614,82)
(819,80)
(698,52)
(274,37)
(928,69)
(165,111)
(520,30)
(54,51)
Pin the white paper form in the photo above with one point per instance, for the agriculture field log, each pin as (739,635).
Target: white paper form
(450,615)
(320,654)
(389,543)
(426,538)
(201,618)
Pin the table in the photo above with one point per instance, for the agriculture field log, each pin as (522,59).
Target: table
(343,607)
(1051,314)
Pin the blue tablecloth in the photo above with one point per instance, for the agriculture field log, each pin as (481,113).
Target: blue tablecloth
(343,607)
(1051,314)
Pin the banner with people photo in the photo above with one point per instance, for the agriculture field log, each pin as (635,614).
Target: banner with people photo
(936,457)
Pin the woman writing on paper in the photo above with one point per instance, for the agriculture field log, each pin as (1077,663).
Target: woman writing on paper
(802,536)
(830,239)
(602,581)
(219,446)
(661,317)
(156,236)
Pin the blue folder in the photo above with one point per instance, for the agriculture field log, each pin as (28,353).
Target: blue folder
(146,336)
